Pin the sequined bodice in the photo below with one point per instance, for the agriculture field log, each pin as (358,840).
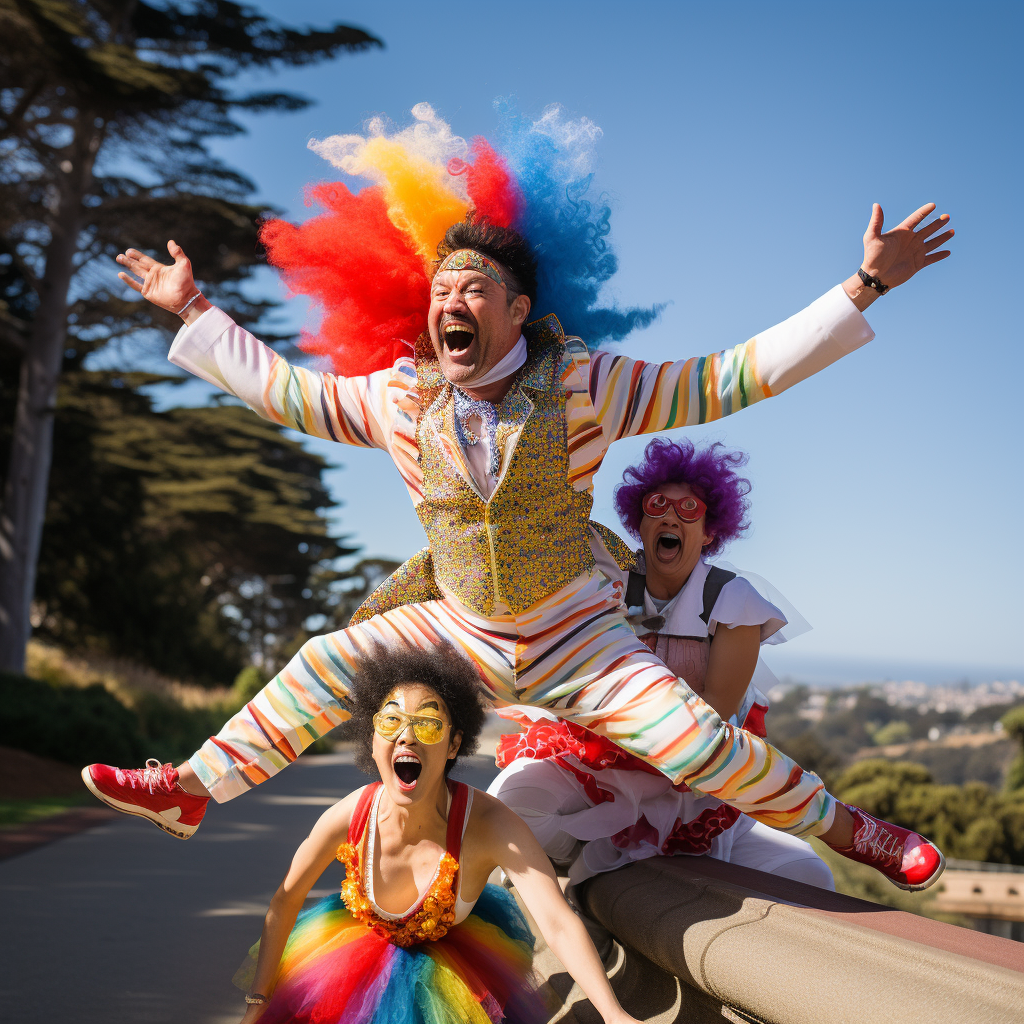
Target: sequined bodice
(434,913)
(430,919)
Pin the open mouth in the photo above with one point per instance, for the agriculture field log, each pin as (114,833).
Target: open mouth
(407,770)
(668,546)
(458,336)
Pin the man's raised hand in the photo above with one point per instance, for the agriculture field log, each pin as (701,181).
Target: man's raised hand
(167,287)
(895,256)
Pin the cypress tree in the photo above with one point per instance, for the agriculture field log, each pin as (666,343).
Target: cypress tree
(107,108)
(191,540)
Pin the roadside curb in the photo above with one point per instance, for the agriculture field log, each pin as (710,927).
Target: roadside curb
(25,838)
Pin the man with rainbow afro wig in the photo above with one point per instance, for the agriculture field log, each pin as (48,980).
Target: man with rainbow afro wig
(428,281)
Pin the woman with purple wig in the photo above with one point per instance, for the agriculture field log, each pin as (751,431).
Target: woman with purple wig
(594,807)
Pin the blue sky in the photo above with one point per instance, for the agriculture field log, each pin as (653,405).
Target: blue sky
(743,146)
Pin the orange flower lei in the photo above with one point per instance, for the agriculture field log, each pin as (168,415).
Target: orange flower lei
(430,920)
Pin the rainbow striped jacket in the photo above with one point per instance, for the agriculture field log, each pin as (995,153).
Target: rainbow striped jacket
(607,396)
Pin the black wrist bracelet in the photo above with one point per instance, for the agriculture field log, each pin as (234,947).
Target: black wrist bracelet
(872,282)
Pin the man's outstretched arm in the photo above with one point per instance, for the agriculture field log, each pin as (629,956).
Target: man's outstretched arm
(635,397)
(212,346)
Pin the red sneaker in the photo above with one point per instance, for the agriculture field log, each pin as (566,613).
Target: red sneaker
(151,792)
(905,858)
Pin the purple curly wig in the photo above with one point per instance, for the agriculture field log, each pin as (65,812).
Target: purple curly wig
(711,472)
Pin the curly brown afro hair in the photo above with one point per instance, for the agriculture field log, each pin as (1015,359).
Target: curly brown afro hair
(442,669)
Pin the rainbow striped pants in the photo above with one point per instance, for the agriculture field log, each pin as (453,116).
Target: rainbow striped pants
(572,653)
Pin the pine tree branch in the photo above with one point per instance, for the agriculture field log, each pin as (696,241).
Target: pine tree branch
(11,122)
(95,84)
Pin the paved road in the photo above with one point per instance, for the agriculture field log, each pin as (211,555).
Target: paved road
(127,924)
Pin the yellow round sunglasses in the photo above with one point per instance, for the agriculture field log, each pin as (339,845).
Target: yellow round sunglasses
(391,723)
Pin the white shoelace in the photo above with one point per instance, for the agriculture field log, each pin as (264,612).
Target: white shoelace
(879,843)
(150,777)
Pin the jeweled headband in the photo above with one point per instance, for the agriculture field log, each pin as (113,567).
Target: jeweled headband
(470,259)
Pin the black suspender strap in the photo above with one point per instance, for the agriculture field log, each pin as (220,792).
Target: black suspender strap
(635,589)
(636,584)
(716,579)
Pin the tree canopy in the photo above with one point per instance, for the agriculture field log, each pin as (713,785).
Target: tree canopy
(971,822)
(194,540)
(146,84)
(1013,725)
(107,108)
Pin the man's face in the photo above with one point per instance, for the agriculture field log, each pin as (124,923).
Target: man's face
(672,548)
(472,324)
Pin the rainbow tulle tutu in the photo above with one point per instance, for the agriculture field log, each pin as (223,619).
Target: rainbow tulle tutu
(336,970)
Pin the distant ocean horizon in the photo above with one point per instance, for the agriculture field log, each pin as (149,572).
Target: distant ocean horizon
(837,670)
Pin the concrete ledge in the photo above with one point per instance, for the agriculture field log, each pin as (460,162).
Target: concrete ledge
(771,950)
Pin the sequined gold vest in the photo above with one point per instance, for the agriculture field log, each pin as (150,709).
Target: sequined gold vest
(531,537)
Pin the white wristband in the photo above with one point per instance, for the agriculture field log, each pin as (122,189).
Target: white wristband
(189,303)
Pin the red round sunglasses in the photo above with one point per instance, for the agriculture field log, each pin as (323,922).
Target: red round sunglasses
(688,509)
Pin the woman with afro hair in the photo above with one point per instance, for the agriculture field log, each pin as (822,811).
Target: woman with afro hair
(417,935)
(594,807)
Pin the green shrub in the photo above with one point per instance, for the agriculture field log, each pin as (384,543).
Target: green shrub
(248,683)
(892,732)
(970,822)
(1013,726)
(81,725)
(72,724)
(172,731)
(956,766)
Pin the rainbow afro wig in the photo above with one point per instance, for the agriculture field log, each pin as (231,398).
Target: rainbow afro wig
(366,260)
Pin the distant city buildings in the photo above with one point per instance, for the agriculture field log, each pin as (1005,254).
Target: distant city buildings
(961,699)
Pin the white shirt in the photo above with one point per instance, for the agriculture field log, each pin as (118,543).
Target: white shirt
(478,456)
(738,604)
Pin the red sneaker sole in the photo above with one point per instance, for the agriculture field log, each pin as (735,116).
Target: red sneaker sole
(177,829)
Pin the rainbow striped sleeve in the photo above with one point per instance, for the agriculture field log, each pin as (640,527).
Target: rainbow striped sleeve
(353,410)
(632,397)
